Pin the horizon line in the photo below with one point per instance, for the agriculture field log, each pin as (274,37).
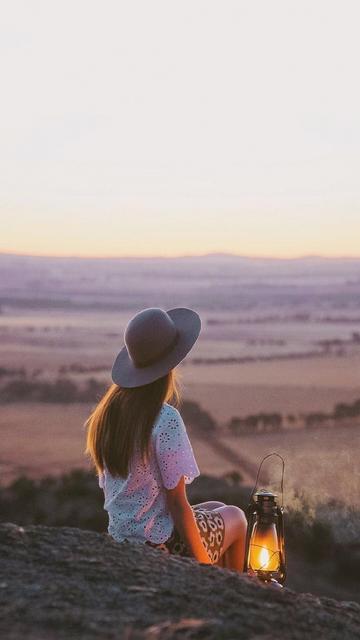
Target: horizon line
(209,254)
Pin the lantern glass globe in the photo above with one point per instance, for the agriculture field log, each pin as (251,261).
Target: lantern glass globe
(264,551)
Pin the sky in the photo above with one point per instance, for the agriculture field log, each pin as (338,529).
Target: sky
(179,128)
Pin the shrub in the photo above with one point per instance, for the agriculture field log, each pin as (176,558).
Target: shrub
(194,414)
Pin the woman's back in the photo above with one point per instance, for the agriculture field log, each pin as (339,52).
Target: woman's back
(137,504)
(133,421)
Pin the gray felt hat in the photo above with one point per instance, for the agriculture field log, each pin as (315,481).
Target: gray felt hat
(155,342)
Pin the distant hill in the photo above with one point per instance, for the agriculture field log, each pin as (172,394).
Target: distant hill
(216,282)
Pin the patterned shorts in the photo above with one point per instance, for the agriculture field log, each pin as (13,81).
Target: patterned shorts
(211,527)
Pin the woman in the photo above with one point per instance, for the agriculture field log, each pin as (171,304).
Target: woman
(139,444)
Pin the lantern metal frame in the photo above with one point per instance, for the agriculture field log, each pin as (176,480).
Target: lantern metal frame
(264,509)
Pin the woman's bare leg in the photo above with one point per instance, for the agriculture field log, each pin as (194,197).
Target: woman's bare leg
(210,505)
(235,535)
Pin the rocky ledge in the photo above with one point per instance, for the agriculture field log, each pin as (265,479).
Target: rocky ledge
(66,583)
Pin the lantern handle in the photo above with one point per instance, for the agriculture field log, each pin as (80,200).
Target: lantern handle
(282,475)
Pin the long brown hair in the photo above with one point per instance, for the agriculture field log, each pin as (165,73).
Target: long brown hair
(122,422)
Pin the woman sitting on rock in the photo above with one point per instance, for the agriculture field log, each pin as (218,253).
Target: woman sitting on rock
(139,445)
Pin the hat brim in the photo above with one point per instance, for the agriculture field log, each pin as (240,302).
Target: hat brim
(126,374)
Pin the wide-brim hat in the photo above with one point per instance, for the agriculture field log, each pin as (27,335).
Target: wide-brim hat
(155,342)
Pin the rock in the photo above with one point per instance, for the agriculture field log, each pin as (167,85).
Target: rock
(66,583)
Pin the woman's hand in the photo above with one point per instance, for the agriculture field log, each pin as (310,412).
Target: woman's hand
(185,522)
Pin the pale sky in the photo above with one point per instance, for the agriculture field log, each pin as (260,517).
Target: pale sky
(180,127)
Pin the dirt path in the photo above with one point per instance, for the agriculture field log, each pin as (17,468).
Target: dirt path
(243,465)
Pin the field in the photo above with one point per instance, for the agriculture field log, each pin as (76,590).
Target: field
(323,463)
(276,336)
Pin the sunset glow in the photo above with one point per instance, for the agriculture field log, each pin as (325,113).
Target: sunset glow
(180,128)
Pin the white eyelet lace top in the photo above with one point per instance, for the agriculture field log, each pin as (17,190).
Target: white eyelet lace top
(136,505)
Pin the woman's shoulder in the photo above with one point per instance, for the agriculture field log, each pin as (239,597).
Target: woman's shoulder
(167,409)
(167,413)
(170,409)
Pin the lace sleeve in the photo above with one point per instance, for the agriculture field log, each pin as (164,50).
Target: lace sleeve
(174,452)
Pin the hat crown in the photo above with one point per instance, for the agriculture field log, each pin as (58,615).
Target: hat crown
(149,335)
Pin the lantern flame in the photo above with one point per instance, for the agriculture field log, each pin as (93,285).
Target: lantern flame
(264,557)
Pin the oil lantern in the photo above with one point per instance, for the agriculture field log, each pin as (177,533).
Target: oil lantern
(265,544)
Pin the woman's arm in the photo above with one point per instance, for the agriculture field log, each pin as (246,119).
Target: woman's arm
(185,522)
